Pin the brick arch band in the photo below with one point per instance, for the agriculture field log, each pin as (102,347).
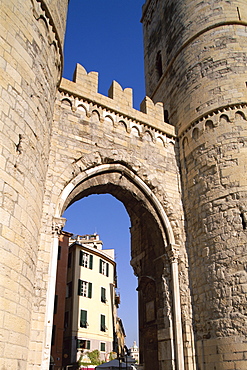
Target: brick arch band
(120,181)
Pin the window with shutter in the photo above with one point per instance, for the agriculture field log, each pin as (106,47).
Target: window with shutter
(81,258)
(103,295)
(102,323)
(102,347)
(83,344)
(86,260)
(91,261)
(100,266)
(89,290)
(84,288)
(104,268)
(79,287)
(83,319)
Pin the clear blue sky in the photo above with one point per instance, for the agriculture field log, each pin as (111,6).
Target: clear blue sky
(106,36)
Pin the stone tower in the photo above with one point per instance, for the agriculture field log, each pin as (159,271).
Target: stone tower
(32,33)
(61,141)
(195,63)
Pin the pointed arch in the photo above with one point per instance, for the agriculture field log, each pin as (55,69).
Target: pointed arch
(150,224)
(71,191)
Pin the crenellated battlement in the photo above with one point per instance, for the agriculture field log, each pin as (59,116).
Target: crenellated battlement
(85,87)
(184,186)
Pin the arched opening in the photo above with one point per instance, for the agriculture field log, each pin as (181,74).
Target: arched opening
(158,65)
(209,125)
(105,217)
(195,133)
(152,256)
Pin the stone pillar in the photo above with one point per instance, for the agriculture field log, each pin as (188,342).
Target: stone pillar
(58,224)
(31,64)
(173,254)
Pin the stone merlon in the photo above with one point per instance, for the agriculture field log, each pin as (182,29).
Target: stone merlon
(85,86)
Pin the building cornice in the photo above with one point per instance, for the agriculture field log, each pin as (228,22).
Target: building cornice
(94,251)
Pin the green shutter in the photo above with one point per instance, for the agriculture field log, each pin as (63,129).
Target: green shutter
(103,295)
(83,321)
(89,290)
(100,266)
(81,258)
(102,322)
(107,269)
(79,286)
(88,344)
(91,261)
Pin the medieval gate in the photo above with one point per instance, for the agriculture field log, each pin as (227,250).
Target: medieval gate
(52,155)
(102,145)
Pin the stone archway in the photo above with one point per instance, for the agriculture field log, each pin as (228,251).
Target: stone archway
(154,257)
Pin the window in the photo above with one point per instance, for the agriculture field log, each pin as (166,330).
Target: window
(66,319)
(55,304)
(103,295)
(104,267)
(83,319)
(158,65)
(83,344)
(69,260)
(59,252)
(102,347)
(84,289)
(86,260)
(69,290)
(166,116)
(53,335)
(243,219)
(102,323)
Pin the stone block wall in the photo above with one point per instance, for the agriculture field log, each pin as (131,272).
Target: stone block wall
(203,47)
(195,58)
(31,63)
(214,183)
(57,146)
(101,144)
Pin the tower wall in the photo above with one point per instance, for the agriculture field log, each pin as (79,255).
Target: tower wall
(195,63)
(31,64)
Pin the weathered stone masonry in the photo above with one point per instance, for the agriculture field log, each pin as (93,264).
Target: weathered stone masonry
(130,154)
(203,88)
(61,140)
(31,64)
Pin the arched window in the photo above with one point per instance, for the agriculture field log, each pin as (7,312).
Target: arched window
(166,116)
(158,65)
